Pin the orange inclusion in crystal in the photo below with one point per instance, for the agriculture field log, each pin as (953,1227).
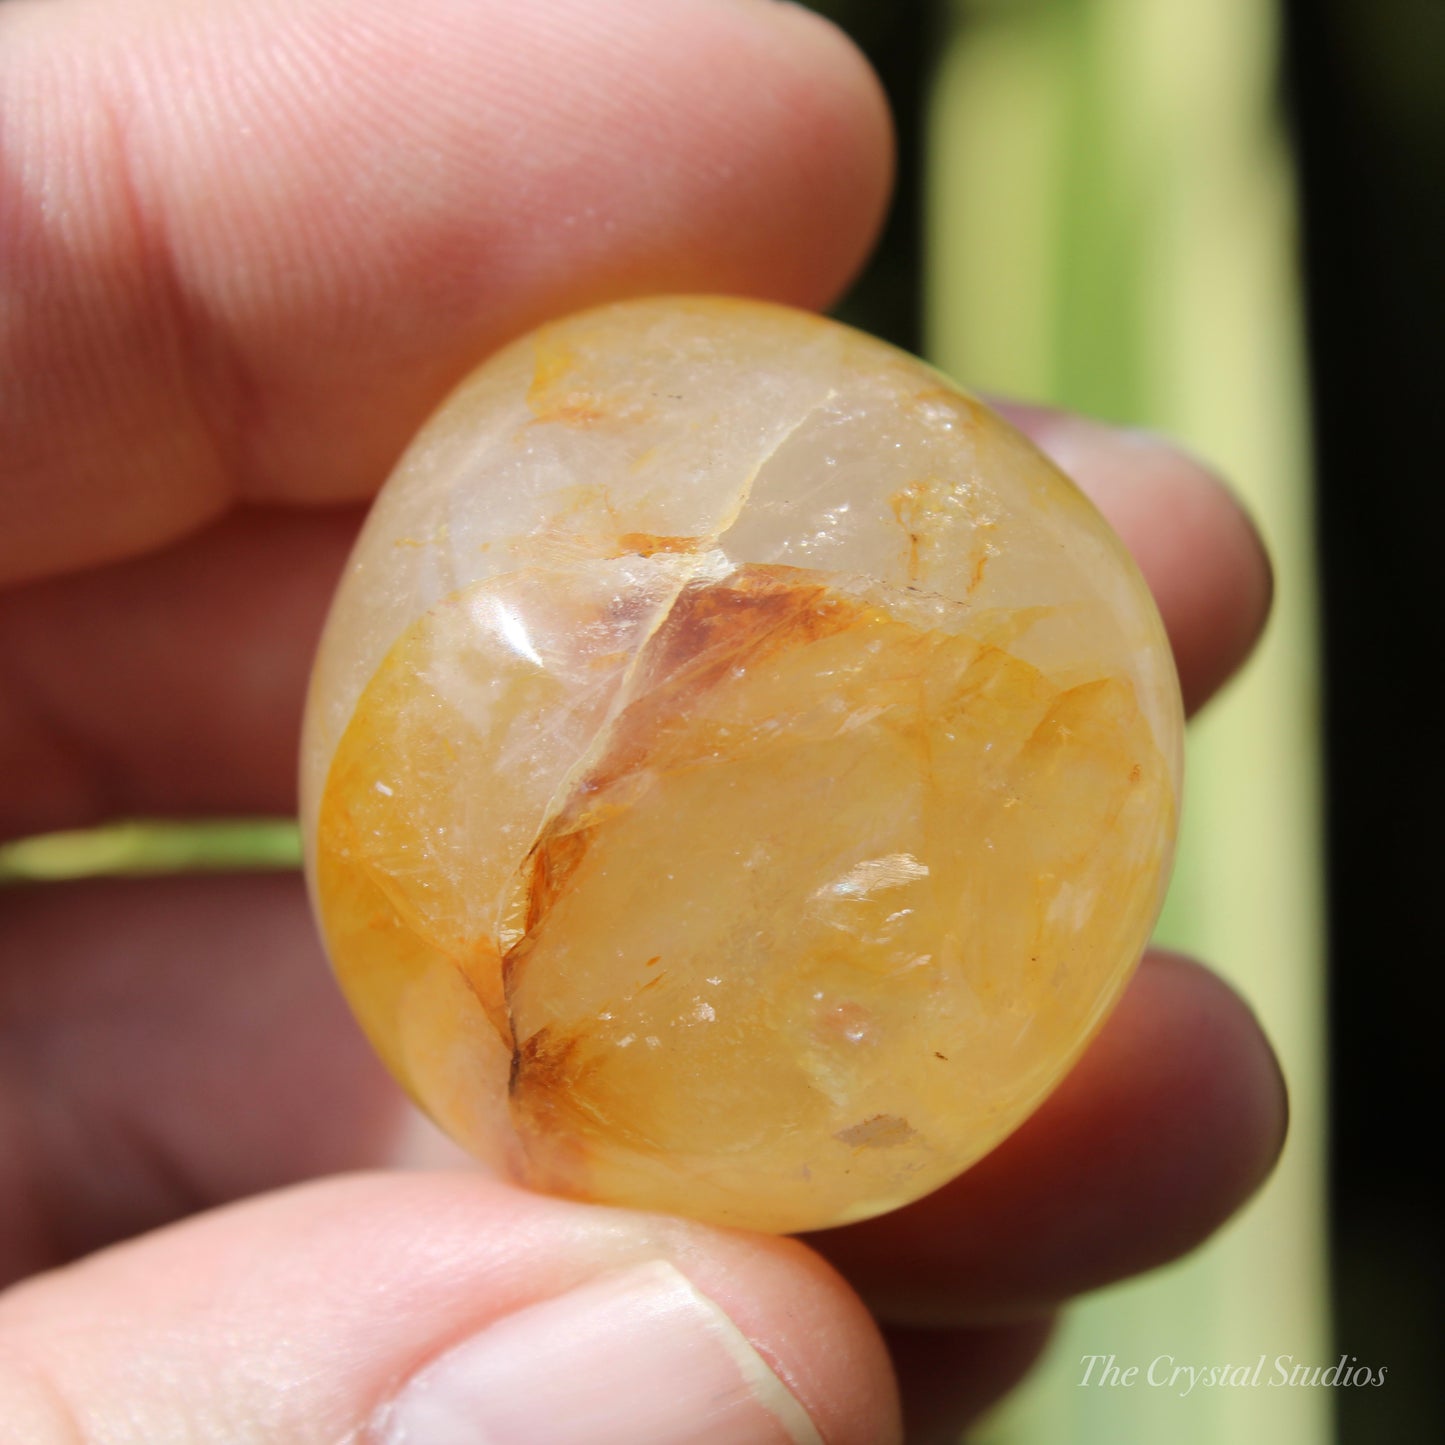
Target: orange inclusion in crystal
(740,770)
(815,911)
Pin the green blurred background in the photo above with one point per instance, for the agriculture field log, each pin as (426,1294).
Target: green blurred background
(1222,219)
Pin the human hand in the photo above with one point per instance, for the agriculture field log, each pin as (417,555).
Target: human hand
(246,247)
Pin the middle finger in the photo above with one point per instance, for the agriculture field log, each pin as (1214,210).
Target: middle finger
(173,684)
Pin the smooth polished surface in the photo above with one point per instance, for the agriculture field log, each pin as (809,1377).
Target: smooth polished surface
(740,770)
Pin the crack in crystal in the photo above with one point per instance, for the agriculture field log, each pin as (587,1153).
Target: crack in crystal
(601,741)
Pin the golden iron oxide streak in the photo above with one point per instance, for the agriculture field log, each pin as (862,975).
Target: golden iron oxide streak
(740,771)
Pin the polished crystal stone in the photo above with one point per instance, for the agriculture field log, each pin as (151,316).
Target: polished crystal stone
(740,770)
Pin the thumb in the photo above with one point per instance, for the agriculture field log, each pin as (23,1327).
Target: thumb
(438,1309)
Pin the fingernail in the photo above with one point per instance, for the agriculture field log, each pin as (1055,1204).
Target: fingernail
(639,1357)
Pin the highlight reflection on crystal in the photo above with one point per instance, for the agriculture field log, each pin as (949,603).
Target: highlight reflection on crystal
(740,771)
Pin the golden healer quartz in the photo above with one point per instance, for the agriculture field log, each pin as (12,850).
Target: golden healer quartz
(740,771)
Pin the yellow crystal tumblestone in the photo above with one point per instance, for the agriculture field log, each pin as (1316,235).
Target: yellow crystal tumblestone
(740,771)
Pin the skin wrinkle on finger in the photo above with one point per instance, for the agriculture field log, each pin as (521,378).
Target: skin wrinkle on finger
(290,228)
(80,297)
